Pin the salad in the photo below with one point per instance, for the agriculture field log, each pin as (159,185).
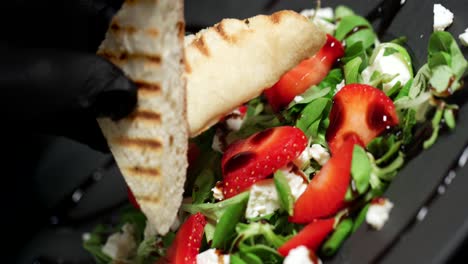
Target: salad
(290,175)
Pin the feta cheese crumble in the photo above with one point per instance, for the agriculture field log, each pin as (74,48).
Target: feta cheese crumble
(301,255)
(213,256)
(378,213)
(235,120)
(442,17)
(264,200)
(121,245)
(316,152)
(218,193)
(393,65)
(464,38)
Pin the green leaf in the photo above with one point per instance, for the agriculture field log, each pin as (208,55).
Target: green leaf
(351,70)
(389,172)
(284,192)
(389,51)
(404,90)
(333,243)
(246,232)
(202,186)
(311,94)
(449,118)
(312,112)
(146,250)
(435,128)
(441,78)
(342,11)
(226,227)
(360,169)
(253,125)
(349,23)
(265,253)
(236,259)
(353,51)
(444,51)
(251,258)
(214,211)
(439,58)
(95,242)
(360,218)
(209,231)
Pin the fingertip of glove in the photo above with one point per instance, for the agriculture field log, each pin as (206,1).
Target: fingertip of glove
(117,99)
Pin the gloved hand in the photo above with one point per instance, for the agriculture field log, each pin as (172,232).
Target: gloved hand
(51,80)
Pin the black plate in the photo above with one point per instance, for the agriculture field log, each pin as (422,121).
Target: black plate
(44,172)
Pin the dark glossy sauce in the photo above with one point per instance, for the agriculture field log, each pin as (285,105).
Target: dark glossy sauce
(377,117)
(239,161)
(336,119)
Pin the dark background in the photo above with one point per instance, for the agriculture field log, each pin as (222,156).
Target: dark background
(41,173)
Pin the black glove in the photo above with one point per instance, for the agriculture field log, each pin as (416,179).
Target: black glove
(51,79)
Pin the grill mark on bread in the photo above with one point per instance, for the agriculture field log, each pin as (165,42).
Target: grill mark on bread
(147,198)
(146,115)
(118,28)
(181,30)
(201,45)
(129,29)
(142,171)
(124,56)
(188,68)
(276,17)
(144,86)
(219,28)
(142,143)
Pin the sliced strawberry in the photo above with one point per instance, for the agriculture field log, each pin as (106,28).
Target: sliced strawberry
(132,198)
(325,193)
(186,245)
(242,110)
(309,72)
(249,160)
(310,236)
(361,110)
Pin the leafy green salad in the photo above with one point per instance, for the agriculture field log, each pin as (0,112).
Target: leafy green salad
(288,176)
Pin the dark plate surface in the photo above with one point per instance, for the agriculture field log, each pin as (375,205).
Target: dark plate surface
(43,172)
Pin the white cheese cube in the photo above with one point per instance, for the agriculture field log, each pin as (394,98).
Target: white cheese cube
(316,152)
(442,17)
(464,38)
(263,199)
(301,255)
(120,245)
(213,256)
(378,214)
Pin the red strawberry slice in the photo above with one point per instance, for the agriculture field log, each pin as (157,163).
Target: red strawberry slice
(249,160)
(325,193)
(310,236)
(132,198)
(309,72)
(186,245)
(361,110)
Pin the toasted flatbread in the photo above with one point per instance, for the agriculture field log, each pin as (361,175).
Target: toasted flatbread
(235,60)
(145,39)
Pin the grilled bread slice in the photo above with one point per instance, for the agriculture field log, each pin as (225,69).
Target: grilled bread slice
(145,39)
(235,60)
